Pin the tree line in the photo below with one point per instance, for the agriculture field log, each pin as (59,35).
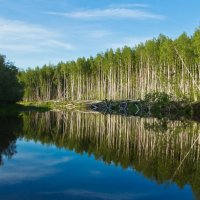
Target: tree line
(158,65)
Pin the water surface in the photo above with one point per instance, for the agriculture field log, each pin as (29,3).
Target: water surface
(74,155)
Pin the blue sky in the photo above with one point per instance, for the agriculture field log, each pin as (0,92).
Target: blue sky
(37,32)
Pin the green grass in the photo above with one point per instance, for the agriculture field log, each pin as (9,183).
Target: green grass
(15,109)
(60,105)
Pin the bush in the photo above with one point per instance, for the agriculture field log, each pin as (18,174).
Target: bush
(158,98)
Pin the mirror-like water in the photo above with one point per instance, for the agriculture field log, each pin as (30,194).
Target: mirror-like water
(74,155)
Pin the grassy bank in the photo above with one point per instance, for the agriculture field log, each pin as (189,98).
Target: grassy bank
(61,104)
(42,106)
(14,109)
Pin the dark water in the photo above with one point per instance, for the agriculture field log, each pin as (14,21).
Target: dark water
(73,155)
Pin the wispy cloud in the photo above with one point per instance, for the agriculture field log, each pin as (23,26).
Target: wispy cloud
(21,36)
(35,167)
(129,5)
(87,194)
(109,13)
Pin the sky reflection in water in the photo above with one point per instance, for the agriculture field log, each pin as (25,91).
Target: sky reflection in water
(41,171)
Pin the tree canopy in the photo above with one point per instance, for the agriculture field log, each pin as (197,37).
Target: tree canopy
(11,90)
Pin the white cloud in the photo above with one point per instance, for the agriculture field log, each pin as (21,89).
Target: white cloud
(21,36)
(109,13)
(30,166)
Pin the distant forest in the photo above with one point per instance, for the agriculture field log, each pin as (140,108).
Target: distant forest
(158,65)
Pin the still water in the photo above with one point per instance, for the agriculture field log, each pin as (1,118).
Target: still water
(75,155)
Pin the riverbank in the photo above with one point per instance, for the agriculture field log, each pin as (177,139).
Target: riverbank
(43,106)
(143,108)
(159,108)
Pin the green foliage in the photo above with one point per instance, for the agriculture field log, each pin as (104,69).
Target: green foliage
(184,45)
(196,44)
(11,90)
(160,98)
(162,105)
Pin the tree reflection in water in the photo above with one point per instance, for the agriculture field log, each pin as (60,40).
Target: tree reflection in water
(9,129)
(163,151)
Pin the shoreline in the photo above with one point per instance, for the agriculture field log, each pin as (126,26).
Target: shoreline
(172,110)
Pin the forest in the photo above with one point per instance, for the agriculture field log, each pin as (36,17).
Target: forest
(162,64)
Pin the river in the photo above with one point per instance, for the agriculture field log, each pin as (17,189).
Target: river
(84,155)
